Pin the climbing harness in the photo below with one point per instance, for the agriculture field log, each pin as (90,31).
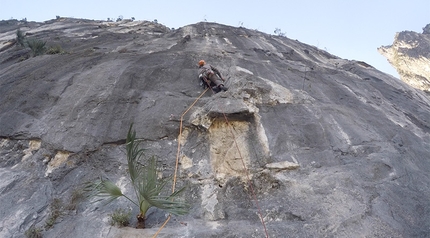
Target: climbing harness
(238,150)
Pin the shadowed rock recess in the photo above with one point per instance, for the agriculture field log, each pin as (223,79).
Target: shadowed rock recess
(333,147)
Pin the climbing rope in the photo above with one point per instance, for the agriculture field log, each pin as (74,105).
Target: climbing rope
(247,177)
(240,155)
(177,155)
(179,138)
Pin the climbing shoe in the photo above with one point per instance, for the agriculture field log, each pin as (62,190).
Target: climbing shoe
(222,87)
(216,89)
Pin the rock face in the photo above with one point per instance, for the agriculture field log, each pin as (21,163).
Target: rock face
(410,55)
(326,146)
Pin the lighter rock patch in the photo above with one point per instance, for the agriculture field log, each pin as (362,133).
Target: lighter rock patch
(33,145)
(59,159)
(341,131)
(278,94)
(244,70)
(228,41)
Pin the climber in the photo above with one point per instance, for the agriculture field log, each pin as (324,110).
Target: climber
(207,76)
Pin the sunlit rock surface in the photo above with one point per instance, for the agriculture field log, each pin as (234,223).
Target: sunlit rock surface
(410,55)
(331,147)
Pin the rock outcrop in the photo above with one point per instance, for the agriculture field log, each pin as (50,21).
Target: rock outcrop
(410,55)
(331,147)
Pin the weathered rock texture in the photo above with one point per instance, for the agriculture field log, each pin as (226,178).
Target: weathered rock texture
(410,55)
(332,147)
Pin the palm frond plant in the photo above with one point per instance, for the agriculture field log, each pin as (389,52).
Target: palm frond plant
(145,182)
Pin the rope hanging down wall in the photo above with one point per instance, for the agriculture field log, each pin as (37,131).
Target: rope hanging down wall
(240,155)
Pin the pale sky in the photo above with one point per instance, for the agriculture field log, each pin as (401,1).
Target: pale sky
(350,29)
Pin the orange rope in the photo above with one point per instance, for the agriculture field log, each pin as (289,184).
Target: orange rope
(161,228)
(179,138)
(237,147)
(177,157)
(246,171)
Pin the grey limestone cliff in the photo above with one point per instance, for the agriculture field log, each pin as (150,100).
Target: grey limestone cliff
(331,147)
(410,55)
